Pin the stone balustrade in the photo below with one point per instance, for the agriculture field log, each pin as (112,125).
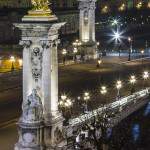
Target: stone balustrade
(133,102)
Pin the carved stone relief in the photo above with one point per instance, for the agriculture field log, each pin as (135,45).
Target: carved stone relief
(36,62)
(32,108)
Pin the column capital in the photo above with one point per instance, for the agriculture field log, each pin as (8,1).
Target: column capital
(49,43)
(87,4)
(25,43)
(45,43)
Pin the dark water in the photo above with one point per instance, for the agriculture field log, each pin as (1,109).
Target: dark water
(133,133)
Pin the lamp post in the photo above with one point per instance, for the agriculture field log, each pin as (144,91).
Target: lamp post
(65,104)
(145,77)
(103,90)
(98,63)
(118,86)
(12,59)
(142,55)
(76,44)
(130,48)
(132,81)
(75,50)
(117,37)
(86,97)
(64,52)
(97,49)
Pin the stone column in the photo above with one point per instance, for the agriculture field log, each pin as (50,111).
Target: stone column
(40,119)
(87,26)
(87,20)
(54,79)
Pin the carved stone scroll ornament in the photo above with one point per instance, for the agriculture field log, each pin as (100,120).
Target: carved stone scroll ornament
(32,108)
(25,43)
(50,43)
(45,43)
(36,61)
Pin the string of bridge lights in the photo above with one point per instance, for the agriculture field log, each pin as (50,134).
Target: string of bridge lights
(66,102)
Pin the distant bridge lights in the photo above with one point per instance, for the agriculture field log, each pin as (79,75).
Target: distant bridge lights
(118,86)
(103,90)
(86,98)
(65,103)
(145,75)
(132,79)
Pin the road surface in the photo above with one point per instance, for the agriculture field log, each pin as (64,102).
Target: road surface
(73,79)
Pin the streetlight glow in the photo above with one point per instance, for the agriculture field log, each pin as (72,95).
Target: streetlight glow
(63,97)
(64,51)
(103,90)
(86,96)
(119,84)
(117,35)
(75,50)
(115,22)
(132,79)
(142,51)
(145,75)
(12,58)
(99,62)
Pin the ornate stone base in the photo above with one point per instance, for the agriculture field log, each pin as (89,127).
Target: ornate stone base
(30,136)
(89,49)
(53,133)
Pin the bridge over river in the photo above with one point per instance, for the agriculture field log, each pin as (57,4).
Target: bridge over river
(121,109)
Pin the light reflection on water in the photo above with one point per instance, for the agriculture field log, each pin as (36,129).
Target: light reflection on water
(135,132)
(147,110)
(109,132)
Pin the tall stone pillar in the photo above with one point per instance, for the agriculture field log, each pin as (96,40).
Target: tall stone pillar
(40,126)
(87,26)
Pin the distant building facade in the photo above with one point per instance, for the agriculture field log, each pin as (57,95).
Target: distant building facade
(66,11)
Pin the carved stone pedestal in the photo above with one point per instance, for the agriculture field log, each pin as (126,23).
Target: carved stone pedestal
(54,131)
(30,137)
(87,27)
(89,49)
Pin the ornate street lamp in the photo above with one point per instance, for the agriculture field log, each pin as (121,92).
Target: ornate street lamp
(75,50)
(65,104)
(145,77)
(64,53)
(103,90)
(86,97)
(118,86)
(12,59)
(130,49)
(142,55)
(132,81)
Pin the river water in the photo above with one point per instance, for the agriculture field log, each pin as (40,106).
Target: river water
(133,133)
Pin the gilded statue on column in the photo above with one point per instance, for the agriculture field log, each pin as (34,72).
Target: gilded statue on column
(40,7)
(40,4)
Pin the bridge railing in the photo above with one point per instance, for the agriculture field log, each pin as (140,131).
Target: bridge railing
(117,104)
